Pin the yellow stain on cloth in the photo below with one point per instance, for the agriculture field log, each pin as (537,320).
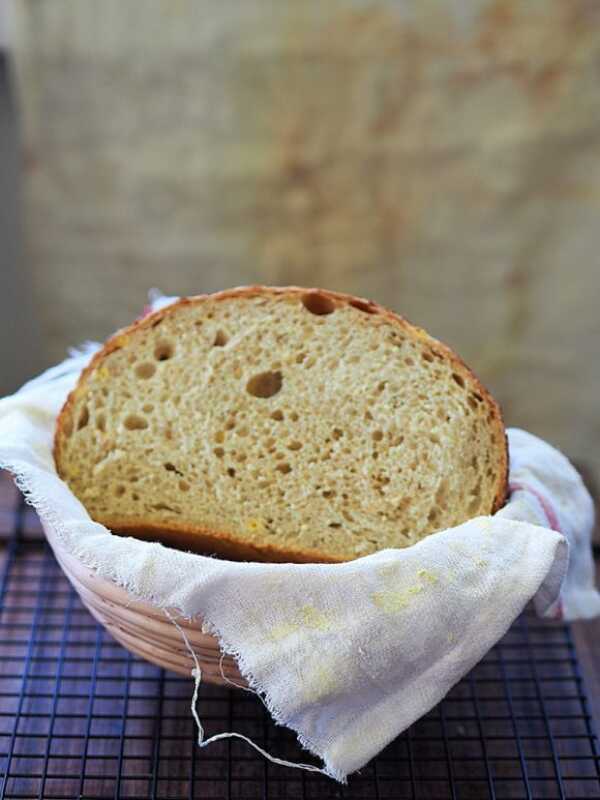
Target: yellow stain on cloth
(393,600)
(428,577)
(467,555)
(320,681)
(310,617)
(315,619)
(283,630)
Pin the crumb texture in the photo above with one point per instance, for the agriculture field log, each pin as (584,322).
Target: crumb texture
(295,422)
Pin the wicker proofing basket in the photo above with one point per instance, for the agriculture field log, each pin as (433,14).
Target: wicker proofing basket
(142,628)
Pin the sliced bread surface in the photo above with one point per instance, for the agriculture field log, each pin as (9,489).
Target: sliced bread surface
(281,424)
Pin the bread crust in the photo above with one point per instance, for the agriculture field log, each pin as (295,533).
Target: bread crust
(195,538)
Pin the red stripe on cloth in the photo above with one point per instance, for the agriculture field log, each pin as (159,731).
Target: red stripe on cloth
(552,518)
(546,505)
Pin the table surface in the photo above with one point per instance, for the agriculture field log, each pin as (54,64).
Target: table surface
(586,635)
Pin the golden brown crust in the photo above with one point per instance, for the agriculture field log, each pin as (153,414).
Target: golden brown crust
(189,537)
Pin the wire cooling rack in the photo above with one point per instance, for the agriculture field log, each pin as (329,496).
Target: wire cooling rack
(82,718)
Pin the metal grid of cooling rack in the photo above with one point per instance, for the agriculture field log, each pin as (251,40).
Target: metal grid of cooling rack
(82,718)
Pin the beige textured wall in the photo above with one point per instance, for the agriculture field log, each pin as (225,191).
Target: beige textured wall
(440,157)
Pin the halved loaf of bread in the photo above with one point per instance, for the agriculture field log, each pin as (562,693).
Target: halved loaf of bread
(281,424)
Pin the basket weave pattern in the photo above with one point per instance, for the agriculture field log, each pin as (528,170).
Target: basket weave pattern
(144,629)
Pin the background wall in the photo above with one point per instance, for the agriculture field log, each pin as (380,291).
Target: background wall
(440,157)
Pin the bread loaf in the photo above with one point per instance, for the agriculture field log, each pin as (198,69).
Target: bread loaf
(281,424)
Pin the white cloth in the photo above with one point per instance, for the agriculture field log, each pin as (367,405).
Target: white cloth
(346,655)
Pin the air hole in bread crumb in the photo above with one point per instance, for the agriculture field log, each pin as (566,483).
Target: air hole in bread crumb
(219,437)
(337,433)
(277,415)
(219,452)
(441,494)
(230,425)
(231,472)
(328,493)
(165,507)
(294,445)
(377,436)
(426,356)
(335,525)
(84,418)
(101,422)
(434,438)
(172,468)
(368,415)
(458,379)
(119,491)
(283,468)
(409,361)
(135,496)
(294,417)
(148,408)
(318,303)
(265,384)
(163,351)
(363,305)
(133,422)
(220,339)
(404,504)
(472,402)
